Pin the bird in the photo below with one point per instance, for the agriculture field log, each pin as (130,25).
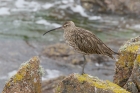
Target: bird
(84,41)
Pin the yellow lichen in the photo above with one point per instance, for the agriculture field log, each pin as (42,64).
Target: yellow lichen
(128,52)
(58,88)
(131,45)
(22,72)
(133,48)
(93,81)
(100,84)
(27,73)
(35,58)
(8,84)
(115,88)
(83,78)
(130,48)
(138,58)
(17,77)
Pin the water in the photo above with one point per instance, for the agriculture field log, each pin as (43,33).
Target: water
(22,19)
(23,22)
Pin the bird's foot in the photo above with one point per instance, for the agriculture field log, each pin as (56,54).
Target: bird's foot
(82,73)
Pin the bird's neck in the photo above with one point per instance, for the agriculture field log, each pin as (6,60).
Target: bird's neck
(69,30)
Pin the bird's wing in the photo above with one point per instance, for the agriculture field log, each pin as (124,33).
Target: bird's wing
(87,42)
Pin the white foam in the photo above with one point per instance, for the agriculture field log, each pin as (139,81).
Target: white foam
(51,74)
(79,9)
(47,6)
(67,1)
(97,64)
(137,26)
(34,5)
(4,11)
(44,22)
(22,4)
(55,25)
(94,17)
(10,74)
(21,9)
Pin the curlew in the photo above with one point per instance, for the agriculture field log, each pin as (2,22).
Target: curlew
(83,41)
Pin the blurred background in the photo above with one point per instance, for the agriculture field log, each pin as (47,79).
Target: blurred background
(23,22)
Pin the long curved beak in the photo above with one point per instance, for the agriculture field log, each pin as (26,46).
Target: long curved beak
(52,30)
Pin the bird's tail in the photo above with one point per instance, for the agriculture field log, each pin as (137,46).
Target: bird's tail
(111,55)
(116,53)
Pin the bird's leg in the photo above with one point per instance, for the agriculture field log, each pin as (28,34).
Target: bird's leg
(84,65)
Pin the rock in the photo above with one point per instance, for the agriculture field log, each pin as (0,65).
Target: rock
(112,6)
(58,50)
(27,79)
(76,83)
(127,67)
(63,52)
(48,86)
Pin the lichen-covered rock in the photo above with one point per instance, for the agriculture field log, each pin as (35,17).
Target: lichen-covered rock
(127,67)
(76,83)
(26,80)
(133,83)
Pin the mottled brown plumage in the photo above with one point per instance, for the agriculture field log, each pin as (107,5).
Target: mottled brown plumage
(84,41)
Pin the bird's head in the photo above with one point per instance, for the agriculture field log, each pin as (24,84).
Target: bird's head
(66,25)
